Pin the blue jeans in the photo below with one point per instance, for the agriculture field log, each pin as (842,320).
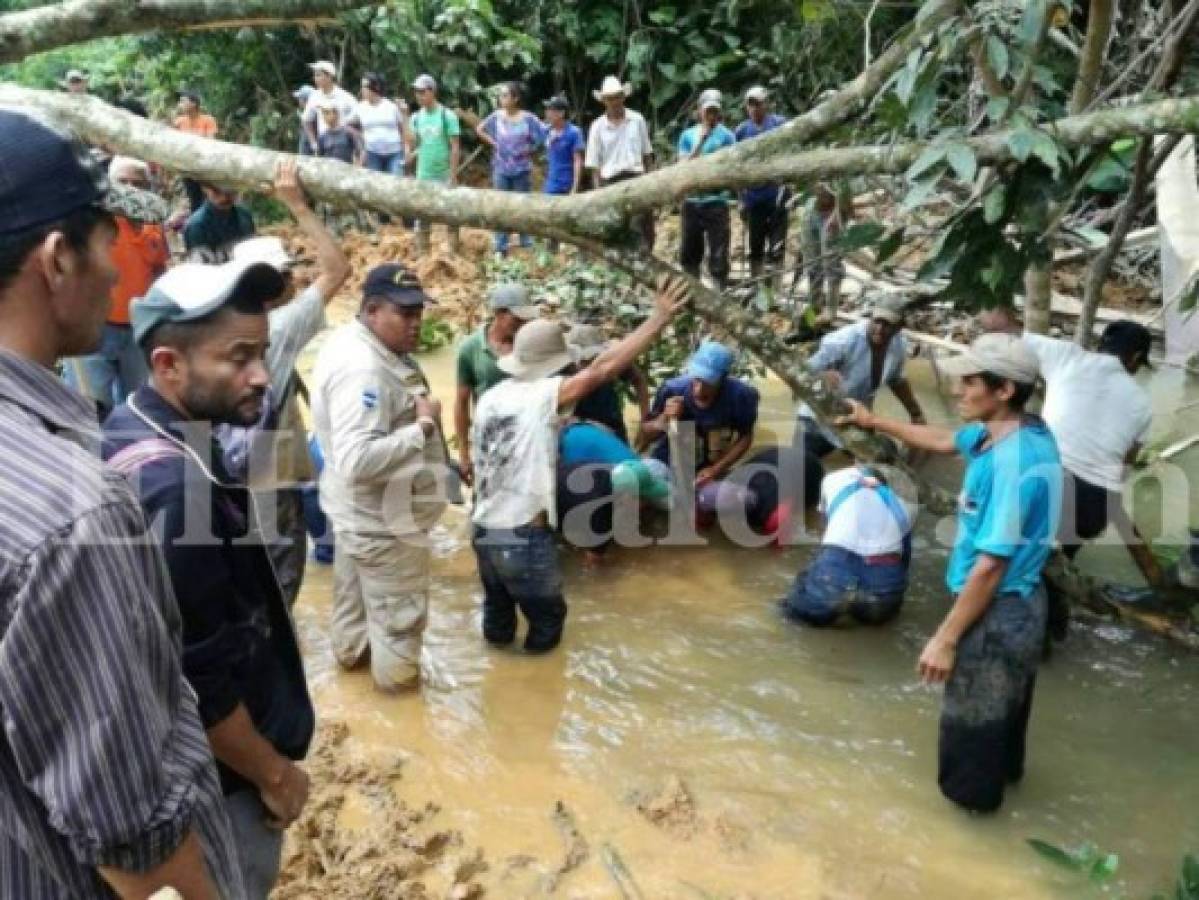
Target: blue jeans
(840,582)
(388,163)
(520,184)
(259,847)
(519,568)
(112,373)
(317,524)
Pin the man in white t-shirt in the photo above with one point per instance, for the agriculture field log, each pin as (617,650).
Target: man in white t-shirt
(514,443)
(324,76)
(1099,417)
(862,567)
(618,146)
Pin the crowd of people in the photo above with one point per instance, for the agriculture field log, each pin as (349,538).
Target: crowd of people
(152,686)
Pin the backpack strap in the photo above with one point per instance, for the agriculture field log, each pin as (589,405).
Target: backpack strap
(898,513)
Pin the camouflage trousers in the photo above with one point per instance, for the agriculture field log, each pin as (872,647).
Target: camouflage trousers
(988,698)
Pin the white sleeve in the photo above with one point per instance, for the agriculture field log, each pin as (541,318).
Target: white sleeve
(647,145)
(309,115)
(592,159)
(291,327)
(364,450)
(1052,353)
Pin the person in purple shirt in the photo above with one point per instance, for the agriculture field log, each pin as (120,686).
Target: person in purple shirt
(763,206)
(514,134)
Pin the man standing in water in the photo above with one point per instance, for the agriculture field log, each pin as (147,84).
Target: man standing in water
(987,648)
(515,444)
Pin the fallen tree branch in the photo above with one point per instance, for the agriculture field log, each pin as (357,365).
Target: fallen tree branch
(42,28)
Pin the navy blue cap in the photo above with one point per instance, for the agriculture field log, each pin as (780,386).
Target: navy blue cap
(45,173)
(1125,337)
(393,282)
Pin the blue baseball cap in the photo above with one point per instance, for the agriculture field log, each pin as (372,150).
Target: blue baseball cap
(395,283)
(711,362)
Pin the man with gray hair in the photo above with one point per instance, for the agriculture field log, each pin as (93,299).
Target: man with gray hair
(140,254)
(477,366)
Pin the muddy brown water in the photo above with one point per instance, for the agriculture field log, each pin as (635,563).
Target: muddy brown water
(809,756)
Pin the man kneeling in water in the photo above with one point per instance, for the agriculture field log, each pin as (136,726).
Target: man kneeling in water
(862,567)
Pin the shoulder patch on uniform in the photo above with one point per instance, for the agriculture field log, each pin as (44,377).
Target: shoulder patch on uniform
(370,397)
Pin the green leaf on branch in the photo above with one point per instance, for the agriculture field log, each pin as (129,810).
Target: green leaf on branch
(1021,143)
(1086,859)
(918,193)
(1046,150)
(997,56)
(905,82)
(888,245)
(925,161)
(859,235)
(961,159)
(816,10)
(1054,854)
(1030,24)
(923,106)
(663,15)
(997,108)
(995,204)
(1104,868)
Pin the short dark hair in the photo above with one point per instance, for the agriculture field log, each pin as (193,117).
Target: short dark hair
(77,228)
(183,336)
(515,88)
(1021,392)
(375,82)
(133,105)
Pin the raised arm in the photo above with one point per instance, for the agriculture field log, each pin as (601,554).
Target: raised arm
(673,294)
(332,265)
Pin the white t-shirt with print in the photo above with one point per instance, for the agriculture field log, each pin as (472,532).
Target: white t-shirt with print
(514,448)
(863,523)
(1094,408)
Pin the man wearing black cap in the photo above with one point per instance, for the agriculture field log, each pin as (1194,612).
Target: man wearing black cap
(1099,416)
(381,487)
(108,781)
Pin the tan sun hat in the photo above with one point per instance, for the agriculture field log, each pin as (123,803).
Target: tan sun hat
(1005,355)
(538,351)
(611,87)
(586,342)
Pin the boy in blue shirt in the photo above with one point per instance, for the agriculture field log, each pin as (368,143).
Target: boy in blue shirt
(987,648)
(564,149)
(706,216)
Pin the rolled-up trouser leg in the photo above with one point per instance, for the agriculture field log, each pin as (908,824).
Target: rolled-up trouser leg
(988,698)
(348,631)
(290,554)
(394,574)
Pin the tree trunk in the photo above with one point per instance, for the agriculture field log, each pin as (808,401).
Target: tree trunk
(1094,53)
(60,24)
(1038,297)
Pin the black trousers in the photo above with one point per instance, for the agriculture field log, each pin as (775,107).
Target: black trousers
(706,223)
(642,222)
(988,699)
(195,193)
(767,226)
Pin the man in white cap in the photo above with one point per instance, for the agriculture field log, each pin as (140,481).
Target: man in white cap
(382,486)
(324,76)
(763,206)
(272,457)
(75,82)
(515,441)
(705,217)
(987,649)
(434,148)
(855,361)
(478,355)
(618,145)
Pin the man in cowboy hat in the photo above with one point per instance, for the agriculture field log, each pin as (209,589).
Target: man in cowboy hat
(618,145)
(515,448)
(381,486)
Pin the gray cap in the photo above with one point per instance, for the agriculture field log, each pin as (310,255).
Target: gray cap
(515,298)
(194,290)
(303,92)
(1005,355)
(889,308)
(711,99)
(425,83)
(586,341)
(757,92)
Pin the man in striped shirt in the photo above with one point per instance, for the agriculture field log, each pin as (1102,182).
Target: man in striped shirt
(107,783)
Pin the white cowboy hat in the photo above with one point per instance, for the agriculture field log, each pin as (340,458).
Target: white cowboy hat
(612,86)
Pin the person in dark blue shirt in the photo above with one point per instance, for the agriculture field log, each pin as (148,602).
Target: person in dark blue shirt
(987,649)
(763,206)
(564,148)
(709,415)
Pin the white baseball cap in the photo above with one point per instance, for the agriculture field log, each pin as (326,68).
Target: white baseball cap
(757,92)
(1005,355)
(323,65)
(267,249)
(75,75)
(191,291)
(711,99)
(425,83)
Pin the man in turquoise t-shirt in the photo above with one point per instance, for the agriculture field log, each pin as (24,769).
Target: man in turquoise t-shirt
(433,136)
(706,216)
(987,648)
